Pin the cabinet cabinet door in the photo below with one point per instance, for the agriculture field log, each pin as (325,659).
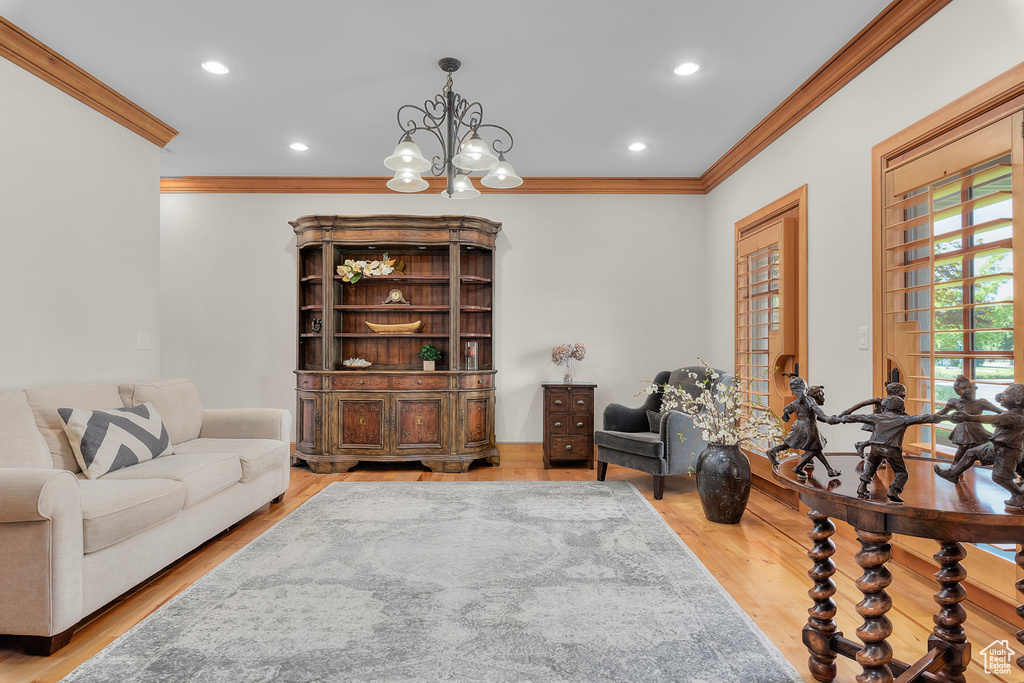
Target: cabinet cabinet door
(308,426)
(476,420)
(421,422)
(358,423)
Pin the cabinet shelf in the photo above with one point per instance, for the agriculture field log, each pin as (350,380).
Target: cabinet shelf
(311,278)
(311,335)
(316,307)
(393,308)
(474,279)
(475,309)
(474,335)
(380,279)
(385,337)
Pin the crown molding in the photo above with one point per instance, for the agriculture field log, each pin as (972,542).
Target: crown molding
(36,58)
(898,20)
(376,185)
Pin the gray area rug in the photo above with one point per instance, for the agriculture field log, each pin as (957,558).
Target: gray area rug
(453,581)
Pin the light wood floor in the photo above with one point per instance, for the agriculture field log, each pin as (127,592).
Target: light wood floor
(762,562)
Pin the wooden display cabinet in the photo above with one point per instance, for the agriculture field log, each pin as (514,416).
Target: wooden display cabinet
(393,410)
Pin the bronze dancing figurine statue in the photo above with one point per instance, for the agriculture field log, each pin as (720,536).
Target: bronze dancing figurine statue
(1004,447)
(891,389)
(967,434)
(886,442)
(804,434)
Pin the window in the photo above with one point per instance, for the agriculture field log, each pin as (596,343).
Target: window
(771,275)
(947,257)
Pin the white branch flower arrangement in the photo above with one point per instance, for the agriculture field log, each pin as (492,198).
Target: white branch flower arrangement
(353,271)
(719,413)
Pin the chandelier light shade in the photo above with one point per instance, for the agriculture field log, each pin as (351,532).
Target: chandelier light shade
(408,181)
(502,176)
(456,124)
(407,157)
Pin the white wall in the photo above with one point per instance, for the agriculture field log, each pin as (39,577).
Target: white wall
(957,50)
(79,240)
(622,274)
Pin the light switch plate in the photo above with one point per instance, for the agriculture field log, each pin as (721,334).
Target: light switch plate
(143,341)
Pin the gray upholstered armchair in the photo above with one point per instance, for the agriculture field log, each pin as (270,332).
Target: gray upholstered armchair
(627,437)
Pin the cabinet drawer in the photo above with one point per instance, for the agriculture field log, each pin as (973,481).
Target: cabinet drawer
(359,382)
(558,400)
(310,381)
(579,425)
(419,382)
(475,381)
(581,401)
(558,425)
(569,448)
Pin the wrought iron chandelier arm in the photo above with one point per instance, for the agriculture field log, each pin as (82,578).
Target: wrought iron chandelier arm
(498,145)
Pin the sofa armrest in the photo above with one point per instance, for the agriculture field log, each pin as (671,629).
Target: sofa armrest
(246,423)
(41,562)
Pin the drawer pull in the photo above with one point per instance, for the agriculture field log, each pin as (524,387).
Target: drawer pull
(581,402)
(568,447)
(558,402)
(579,425)
(419,381)
(479,381)
(558,424)
(362,381)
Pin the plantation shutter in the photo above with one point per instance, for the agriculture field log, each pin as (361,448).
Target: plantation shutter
(948,286)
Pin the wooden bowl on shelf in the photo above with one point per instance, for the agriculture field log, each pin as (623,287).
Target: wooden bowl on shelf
(395,328)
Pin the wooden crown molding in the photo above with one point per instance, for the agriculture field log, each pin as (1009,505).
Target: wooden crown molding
(376,185)
(36,58)
(893,24)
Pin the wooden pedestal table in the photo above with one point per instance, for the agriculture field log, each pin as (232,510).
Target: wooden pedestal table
(971,511)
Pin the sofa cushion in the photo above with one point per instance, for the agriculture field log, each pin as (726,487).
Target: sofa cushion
(177,401)
(256,455)
(203,474)
(21,444)
(114,510)
(45,402)
(107,440)
(646,444)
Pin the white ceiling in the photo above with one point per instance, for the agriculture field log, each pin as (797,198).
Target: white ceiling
(575,81)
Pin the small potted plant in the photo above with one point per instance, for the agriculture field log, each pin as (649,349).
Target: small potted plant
(428,353)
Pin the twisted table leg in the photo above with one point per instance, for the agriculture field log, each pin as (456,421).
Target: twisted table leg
(821,627)
(949,630)
(876,654)
(1020,610)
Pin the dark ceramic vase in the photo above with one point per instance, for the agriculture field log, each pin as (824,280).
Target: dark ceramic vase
(723,483)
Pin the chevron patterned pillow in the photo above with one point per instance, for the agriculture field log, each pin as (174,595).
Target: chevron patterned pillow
(107,440)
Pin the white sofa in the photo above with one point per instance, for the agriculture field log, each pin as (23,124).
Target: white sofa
(70,544)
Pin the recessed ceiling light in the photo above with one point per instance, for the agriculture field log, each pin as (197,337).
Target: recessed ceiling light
(637,146)
(298,147)
(215,68)
(687,69)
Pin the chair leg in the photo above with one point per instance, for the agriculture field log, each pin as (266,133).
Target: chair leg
(602,470)
(659,487)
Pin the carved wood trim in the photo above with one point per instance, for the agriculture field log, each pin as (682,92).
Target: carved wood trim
(39,60)
(893,24)
(376,185)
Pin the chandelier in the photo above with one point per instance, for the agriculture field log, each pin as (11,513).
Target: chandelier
(456,124)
